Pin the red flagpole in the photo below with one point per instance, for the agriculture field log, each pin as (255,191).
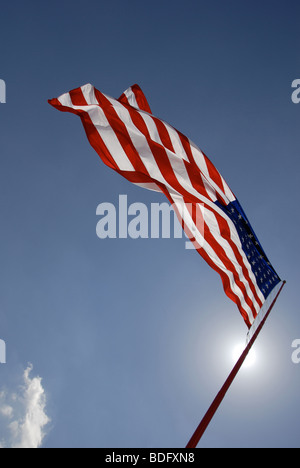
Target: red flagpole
(195,439)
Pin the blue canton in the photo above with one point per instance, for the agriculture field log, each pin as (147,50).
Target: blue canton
(266,276)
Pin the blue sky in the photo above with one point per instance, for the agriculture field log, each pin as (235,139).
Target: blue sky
(133,338)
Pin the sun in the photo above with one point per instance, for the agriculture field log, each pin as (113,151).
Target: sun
(251,358)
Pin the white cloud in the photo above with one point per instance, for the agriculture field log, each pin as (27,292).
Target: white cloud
(6,410)
(22,414)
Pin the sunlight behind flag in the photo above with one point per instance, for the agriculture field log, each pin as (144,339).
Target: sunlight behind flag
(250,359)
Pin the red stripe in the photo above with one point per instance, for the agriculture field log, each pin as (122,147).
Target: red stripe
(77,97)
(196,180)
(141,98)
(123,99)
(138,177)
(163,134)
(57,104)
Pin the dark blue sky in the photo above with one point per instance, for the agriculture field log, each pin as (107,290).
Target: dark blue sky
(133,338)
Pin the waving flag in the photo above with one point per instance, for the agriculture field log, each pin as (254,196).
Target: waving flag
(151,153)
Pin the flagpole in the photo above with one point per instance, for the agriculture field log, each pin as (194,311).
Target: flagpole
(195,439)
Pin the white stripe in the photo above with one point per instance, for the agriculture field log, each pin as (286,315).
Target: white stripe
(209,189)
(88,91)
(131,97)
(148,186)
(176,142)
(199,159)
(229,194)
(65,100)
(152,128)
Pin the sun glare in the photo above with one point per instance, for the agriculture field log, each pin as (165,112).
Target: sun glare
(251,358)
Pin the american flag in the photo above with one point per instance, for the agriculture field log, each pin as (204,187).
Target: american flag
(151,153)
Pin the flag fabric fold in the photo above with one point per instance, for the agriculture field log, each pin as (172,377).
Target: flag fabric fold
(152,154)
